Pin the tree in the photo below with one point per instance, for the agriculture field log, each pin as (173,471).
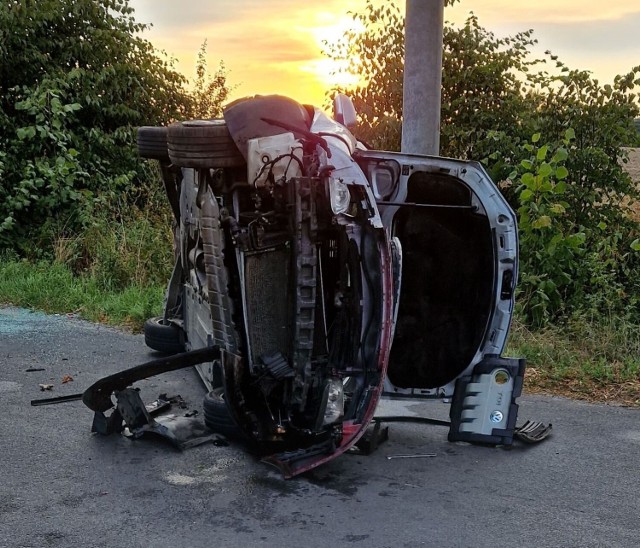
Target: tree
(209,93)
(567,184)
(76,78)
(483,80)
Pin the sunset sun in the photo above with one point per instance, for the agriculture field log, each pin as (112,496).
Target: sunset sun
(330,72)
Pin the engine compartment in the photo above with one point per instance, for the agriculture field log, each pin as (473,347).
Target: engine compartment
(308,293)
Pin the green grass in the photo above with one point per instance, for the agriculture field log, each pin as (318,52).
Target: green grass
(588,358)
(53,288)
(594,359)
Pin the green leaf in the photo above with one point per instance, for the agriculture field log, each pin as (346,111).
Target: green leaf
(528,180)
(635,245)
(570,134)
(527,164)
(560,188)
(545,170)
(526,195)
(561,173)
(72,107)
(576,240)
(542,153)
(535,137)
(542,222)
(560,155)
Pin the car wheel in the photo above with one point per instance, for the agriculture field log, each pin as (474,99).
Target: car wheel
(163,336)
(152,143)
(202,144)
(217,416)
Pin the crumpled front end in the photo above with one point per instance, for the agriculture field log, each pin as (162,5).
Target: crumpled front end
(314,278)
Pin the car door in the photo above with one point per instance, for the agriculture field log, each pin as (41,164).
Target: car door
(459,244)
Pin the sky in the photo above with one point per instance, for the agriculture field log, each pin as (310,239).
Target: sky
(275,46)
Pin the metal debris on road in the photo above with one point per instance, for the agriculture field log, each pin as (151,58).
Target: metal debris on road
(417,456)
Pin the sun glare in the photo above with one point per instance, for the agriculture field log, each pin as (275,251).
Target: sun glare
(330,72)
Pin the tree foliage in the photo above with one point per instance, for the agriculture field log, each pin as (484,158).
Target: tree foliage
(209,92)
(76,78)
(579,244)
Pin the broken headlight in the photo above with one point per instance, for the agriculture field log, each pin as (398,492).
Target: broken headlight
(334,402)
(340,196)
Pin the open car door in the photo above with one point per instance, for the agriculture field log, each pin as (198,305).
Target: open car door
(459,244)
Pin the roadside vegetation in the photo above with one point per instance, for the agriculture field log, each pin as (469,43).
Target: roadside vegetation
(84,226)
(54,288)
(84,223)
(554,140)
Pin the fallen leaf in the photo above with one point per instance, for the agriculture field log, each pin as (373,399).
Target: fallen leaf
(66,379)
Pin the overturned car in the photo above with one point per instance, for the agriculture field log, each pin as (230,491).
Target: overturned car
(329,276)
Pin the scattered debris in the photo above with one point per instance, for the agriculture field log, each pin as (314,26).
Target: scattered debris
(34,369)
(66,379)
(417,456)
(177,399)
(533,432)
(132,419)
(158,405)
(44,387)
(59,399)
(373,436)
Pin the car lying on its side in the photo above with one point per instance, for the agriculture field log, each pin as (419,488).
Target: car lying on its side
(330,276)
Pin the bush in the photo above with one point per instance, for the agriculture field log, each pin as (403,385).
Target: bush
(75,81)
(579,245)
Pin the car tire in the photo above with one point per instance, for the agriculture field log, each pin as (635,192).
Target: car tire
(202,144)
(152,143)
(163,336)
(217,416)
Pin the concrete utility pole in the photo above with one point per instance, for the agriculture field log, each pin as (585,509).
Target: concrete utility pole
(424,22)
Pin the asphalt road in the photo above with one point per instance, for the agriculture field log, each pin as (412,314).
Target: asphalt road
(62,486)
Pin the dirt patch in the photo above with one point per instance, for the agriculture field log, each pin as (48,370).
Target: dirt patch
(633,166)
(625,393)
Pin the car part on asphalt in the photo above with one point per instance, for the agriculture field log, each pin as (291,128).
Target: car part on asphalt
(182,432)
(57,399)
(528,432)
(484,408)
(533,432)
(98,396)
(371,440)
(132,416)
(416,456)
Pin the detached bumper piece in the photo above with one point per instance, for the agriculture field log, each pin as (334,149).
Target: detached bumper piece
(484,408)
(133,418)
